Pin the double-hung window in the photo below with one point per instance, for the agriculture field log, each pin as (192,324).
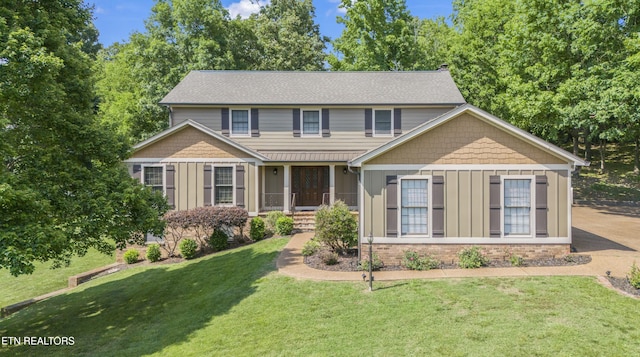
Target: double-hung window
(223,185)
(383,122)
(414,206)
(153,177)
(311,123)
(240,122)
(517,206)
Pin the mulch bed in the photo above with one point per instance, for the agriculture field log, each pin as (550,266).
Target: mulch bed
(349,262)
(622,284)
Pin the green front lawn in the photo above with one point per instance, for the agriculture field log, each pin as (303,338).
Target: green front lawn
(45,280)
(234,303)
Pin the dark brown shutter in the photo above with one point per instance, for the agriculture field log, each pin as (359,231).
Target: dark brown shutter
(255,129)
(368,122)
(225,121)
(296,122)
(494,206)
(137,172)
(541,206)
(171,185)
(392,206)
(397,121)
(437,204)
(208,185)
(325,123)
(240,186)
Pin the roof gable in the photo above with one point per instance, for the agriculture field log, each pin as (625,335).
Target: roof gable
(467,135)
(315,88)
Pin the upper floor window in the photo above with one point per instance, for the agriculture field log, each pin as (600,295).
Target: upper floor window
(223,185)
(383,122)
(240,122)
(517,207)
(414,206)
(311,123)
(153,177)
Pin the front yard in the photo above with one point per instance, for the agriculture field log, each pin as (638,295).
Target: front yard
(234,303)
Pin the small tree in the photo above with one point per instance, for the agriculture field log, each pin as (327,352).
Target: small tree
(178,225)
(336,227)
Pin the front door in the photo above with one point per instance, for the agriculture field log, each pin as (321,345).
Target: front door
(309,183)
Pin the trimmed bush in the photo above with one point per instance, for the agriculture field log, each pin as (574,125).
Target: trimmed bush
(271,219)
(634,276)
(310,247)
(284,226)
(218,240)
(377,263)
(329,258)
(256,232)
(471,258)
(413,261)
(188,248)
(131,256)
(336,227)
(153,252)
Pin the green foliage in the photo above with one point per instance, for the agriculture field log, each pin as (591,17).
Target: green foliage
(153,252)
(284,226)
(329,258)
(516,260)
(219,240)
(188,248)
(471,258)
(256,231)
(271,219)
(63,188)
(413,261)
(310,247)
(336,227)
(131,256)
(377,263)
(634,276)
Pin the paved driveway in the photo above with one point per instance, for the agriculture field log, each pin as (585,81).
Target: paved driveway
(611,235)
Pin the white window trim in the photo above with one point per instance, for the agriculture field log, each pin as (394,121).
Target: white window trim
(213,186)
(429,206)
(373,123)
(164,176)
(239,135)
(302,133)
(532,210)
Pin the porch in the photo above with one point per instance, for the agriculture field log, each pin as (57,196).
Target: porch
(290,187)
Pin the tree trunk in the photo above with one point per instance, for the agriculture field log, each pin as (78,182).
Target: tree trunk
(574,135)
(587,145)
(636,157)
(602,149)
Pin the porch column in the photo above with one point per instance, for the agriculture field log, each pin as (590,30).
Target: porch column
(332,184)
(287,189)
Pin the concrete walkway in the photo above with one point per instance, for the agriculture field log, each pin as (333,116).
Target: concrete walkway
(611,235)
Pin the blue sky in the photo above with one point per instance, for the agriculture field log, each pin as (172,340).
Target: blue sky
(117,19)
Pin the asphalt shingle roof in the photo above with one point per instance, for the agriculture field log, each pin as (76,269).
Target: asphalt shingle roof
(315,88)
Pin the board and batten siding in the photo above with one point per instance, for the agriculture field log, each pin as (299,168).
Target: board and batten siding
(466,205)
(189,182)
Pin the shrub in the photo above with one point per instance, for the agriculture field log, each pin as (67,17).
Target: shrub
(219,240)
(153,252)
(516,260)
(329,258)
(131,256)
(471,258)
(271,219)
(336,227)
(310,247)
(178,223)
(377,263)
(284,226)
(634,276)
(188,248)
(204,220)
(413,261)
(256,232)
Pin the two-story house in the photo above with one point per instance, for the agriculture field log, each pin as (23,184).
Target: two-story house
(424,169)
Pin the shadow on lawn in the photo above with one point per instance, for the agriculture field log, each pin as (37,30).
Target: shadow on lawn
(145,312)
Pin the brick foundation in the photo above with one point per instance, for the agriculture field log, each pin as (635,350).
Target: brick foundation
(392,254)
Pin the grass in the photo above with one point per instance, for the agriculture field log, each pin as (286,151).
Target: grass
(45,280)
(233,303)
(617,182)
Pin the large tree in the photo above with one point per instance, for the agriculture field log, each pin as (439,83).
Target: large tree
(63,188)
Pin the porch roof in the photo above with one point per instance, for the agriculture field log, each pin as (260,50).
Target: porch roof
(317,156)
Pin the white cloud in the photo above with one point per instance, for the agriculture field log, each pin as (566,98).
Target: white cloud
(100,10)
(245,8)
